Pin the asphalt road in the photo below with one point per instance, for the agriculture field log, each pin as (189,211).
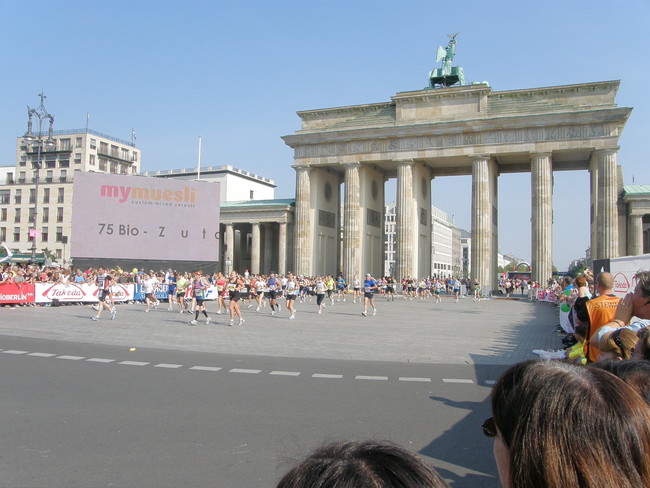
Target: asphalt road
(80,409)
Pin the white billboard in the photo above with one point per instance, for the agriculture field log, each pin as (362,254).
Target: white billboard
(137,217)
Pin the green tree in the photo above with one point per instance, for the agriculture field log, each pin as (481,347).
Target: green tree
(577,267)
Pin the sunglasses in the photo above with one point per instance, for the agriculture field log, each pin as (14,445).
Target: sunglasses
(489,427)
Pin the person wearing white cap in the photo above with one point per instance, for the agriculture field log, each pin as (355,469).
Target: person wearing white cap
(369,287)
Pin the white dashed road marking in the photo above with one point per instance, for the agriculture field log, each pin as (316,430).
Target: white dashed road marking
(412,379)
(284,373)
(246,371)
(205,368)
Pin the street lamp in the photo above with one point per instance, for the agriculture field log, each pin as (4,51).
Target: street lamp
(41,113)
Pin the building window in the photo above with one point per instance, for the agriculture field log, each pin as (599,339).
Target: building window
(135,157)
(93,143)
(3,215)
(78,141)
(46,214)
(22,177)
(64,144)
(59,214)
(17,216)
(103,148)
(3,234)
(61,195)
(63,176)
(32,195)
(251,194)
(114,167)
(5,197)
(91,160)
(49,177)
(18,197)
(102,164)
(77,158)
(46,195)
(32,215)
(125,154)
(44,234)
(16,234)
(58,254)
(64,163)
(59,234)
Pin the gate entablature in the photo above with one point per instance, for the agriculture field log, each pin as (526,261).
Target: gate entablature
(466,130)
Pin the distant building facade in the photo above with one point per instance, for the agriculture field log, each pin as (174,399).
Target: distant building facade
(256,230)
(446,246)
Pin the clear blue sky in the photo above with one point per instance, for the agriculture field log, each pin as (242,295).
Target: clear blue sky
(236,72)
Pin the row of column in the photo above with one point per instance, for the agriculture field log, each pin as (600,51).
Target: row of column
(256,247)
(484,217)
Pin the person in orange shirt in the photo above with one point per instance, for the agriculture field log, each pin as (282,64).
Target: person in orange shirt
(601,311)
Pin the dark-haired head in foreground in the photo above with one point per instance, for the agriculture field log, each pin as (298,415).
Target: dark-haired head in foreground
(368,464)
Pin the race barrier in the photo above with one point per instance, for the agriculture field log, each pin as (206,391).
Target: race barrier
(47,293)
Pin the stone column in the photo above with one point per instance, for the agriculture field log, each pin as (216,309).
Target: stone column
(481,222)
(352,223)
(282,249)
(593,206)
(635,235)
(405,221)
(607,216)
(303,242)
(256,247)
(267,257)
(542,217)
(230,248)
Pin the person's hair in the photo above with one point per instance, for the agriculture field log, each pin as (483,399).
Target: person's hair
(634,373)
(581,281)
(605,280)
(568,280)
(367,464)
(644,336)
(643,278)
(580,308)
(581,330)
(571,426)
(619,342)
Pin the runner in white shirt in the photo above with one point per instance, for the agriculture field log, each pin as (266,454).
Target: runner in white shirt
(291,289)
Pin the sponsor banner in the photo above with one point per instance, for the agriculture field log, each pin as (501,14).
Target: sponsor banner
(75,292)
(144,218)
(211,293)
(160,293)
(545,296)
(16,293)
(624,270)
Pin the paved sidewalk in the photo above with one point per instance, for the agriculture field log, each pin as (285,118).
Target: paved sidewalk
(490,332)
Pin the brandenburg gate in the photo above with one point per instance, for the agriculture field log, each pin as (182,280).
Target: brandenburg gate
(438,132)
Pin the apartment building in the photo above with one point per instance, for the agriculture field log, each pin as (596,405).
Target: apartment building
(62,153)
